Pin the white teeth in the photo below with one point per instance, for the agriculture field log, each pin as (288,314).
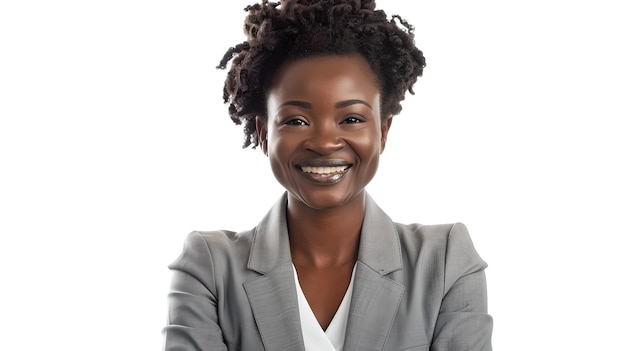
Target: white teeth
(324,170)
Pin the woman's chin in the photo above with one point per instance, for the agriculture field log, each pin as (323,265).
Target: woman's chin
(323,200)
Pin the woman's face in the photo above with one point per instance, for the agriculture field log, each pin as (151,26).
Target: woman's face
(324,133)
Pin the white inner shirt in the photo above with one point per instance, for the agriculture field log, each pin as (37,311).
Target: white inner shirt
(315,338)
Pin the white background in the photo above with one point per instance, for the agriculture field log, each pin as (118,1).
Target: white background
(114,144)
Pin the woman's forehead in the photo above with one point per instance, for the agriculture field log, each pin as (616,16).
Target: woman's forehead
(315,73)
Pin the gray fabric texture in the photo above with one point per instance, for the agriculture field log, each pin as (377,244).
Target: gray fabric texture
(416,287)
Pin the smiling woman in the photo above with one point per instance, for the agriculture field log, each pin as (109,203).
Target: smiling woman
(316,86)
(324,112)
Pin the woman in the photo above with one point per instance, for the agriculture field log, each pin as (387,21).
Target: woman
(316,86)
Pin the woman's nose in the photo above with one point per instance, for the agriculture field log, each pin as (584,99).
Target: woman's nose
(324,139)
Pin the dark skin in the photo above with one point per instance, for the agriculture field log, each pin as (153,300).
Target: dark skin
(324,247)
(324,136)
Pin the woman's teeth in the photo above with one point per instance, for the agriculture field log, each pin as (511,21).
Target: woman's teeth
(324,170)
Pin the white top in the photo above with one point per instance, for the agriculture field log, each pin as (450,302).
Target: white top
(315,339)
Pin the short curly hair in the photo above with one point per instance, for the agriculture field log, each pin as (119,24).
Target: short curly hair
(281,32)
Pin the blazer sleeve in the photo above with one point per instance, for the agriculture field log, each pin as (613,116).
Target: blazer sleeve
(192,323)
(463,322)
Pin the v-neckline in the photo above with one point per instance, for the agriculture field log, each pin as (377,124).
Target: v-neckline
(333,337)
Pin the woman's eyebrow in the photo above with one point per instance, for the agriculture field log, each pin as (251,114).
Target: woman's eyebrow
(302,104)
(347,103)
(340,104)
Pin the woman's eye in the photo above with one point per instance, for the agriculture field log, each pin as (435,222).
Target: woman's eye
(296,122)
(352,120)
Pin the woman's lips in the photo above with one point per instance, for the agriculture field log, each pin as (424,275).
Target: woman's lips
(324,174)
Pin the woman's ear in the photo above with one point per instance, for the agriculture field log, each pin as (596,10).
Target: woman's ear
(384,130)
(261,134)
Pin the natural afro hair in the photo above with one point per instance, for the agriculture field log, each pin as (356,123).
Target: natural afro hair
(280,32)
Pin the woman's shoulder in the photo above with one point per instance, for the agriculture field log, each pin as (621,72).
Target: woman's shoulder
(451,242)
(216,240)
(220,238)
(433,234)
(210,248)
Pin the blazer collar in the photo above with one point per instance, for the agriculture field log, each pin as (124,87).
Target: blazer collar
(273,297)
(270,245)
(379,247)
(375,298)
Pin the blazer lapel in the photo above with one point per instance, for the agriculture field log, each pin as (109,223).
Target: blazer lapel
(275,306)
(375,298)
(273,296)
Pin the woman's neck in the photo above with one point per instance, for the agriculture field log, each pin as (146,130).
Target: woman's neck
(325,239)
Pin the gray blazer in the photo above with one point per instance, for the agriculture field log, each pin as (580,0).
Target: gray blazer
(416,287)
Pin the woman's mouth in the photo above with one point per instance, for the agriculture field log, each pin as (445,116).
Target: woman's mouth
(324,174)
